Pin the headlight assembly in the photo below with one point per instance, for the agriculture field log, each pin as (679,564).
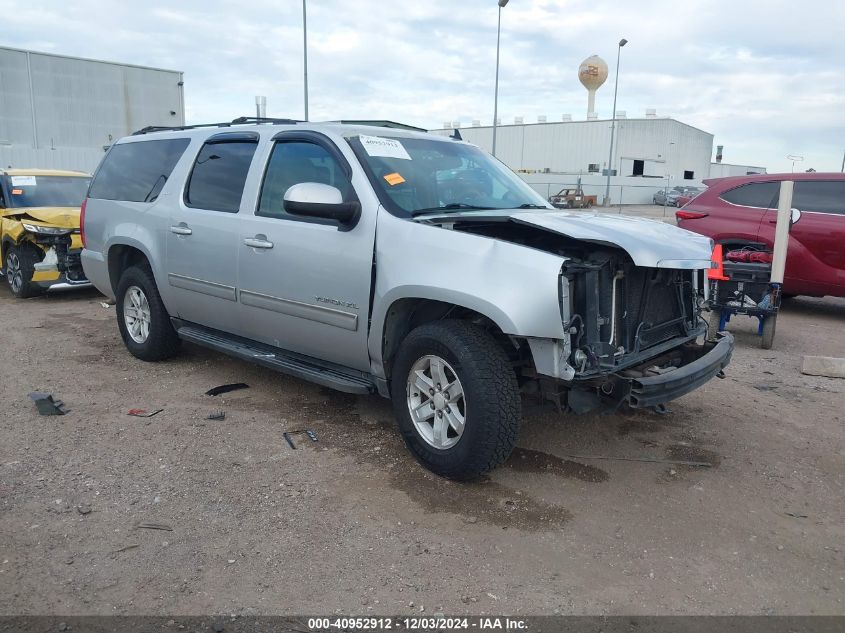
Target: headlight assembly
(46,230)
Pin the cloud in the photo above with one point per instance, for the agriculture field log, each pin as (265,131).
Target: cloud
(764,77)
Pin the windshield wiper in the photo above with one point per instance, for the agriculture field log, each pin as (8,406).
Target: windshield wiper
(449,207)
(528,205)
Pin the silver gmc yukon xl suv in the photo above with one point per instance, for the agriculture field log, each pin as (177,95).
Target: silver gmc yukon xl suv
(418,267)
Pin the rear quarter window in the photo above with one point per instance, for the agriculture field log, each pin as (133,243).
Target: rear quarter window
(136,172)
(762,195)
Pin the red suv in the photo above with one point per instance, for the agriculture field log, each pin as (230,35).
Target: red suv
(742,211)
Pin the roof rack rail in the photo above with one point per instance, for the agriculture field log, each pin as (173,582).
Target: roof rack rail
(239,121)
(263,119)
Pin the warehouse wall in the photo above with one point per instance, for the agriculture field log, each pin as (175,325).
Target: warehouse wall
(663,145)
(60,112)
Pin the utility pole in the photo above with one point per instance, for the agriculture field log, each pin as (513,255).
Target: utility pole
(305,56)
(502,4)
(622,43)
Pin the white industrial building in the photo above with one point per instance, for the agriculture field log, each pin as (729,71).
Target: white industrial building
(62,112)
(648,154)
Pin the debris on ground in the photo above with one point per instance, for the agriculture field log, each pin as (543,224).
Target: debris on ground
(126,547)
(143,413)
(154,526)
(216,415)
(83,509)
(287,435)
(823,366)
(216,391)
(647,460)
(105,305)
(47,405)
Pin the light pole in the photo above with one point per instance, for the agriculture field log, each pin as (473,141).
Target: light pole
(622,43)
(305,55)
(502,4)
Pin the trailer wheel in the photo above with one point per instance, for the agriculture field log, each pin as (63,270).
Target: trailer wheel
(768,337)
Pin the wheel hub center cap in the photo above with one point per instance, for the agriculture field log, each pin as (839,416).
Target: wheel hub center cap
(439,401)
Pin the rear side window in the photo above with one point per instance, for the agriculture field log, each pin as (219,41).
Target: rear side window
(136,172)
(762,195)
(217,180)
(824,196)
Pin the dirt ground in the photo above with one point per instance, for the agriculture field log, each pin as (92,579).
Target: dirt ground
(351,524)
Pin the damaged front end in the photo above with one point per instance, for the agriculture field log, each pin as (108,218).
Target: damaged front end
(632,333)
(62,263)
(57,252)
(631,294)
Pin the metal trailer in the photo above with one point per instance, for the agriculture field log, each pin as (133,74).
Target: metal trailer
(747,290)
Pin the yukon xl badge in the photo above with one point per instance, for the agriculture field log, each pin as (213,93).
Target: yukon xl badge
(336,302)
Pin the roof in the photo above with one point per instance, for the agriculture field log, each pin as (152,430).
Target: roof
(88,59)
(385,123)
(22,171)
(742,180)
(627,119)
(248,124)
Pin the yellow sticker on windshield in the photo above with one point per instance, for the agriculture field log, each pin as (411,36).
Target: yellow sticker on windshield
(17,192)
(394,179)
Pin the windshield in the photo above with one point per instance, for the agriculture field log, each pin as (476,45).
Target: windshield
(419,175)
(47,191)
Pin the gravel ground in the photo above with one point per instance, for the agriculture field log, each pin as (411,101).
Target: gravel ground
(352,524)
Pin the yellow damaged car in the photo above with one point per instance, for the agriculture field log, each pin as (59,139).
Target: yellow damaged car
(39,229)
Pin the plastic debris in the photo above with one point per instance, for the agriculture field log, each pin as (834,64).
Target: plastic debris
(47,405)
(143,413)
(216,415)
(216,391)
(154,526)
(287,435)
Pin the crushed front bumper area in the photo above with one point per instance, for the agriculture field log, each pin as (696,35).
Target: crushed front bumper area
(705,362)
(60,269)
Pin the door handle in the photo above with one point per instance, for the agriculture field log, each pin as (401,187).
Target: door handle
(181,229)
(259,241)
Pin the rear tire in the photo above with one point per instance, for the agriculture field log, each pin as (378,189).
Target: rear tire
(490,406)
(19,266)
(142,319)
(768,337)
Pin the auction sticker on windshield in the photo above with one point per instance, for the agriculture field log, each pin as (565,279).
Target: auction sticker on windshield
(384,147)
(23,181)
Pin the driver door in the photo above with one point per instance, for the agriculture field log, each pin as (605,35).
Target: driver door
(304,283)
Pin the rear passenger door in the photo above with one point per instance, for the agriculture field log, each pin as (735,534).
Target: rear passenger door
(203,234)
(304,283)
(817,239)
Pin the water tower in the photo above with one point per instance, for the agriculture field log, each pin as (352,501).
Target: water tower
(593,73)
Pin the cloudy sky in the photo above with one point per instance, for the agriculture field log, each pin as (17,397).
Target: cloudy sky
(766,77)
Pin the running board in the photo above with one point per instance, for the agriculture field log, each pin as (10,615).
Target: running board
(297,365)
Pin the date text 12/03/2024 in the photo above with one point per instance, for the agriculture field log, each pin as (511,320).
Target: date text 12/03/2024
(416,624)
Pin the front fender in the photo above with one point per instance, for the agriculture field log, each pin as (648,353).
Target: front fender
(514,286)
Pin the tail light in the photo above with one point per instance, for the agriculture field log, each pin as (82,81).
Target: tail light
(82,221)
(690,215)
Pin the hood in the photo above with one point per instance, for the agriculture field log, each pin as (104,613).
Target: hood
(59,217)
(650,243)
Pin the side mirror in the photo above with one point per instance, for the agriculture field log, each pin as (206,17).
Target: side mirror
(316,200)
(794,216)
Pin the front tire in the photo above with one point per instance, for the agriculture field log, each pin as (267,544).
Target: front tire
(19,267)
(142,319)
(456,399)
